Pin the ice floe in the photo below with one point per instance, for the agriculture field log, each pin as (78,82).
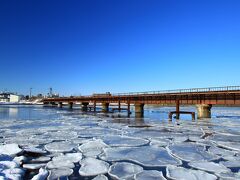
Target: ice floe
(34,150)
(10,149)
(92,148)
(180,173)
(190,152)
(62,146)
(124,170)
(72,157)
(60,164)
(33,166)
(59,173)
(124,141)
(42,175)
(93,167)
(100,177)
(150,175)
(147,156)
(209,167)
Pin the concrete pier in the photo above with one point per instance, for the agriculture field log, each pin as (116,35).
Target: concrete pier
(60,104)
(70,105)
(139,110)
(105,107)
(94,106)
(85,106)
(204,111)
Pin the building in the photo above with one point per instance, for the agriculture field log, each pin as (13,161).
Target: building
(10,97)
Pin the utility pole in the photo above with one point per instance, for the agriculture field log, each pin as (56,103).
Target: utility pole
(30,93)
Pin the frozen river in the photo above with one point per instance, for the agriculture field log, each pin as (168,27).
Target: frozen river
(49,143)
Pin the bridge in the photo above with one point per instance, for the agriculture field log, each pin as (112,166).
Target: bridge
(203,98)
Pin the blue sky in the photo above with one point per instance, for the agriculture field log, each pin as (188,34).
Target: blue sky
(86,46)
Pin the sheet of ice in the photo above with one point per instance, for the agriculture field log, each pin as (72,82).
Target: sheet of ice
(59,173)
(124,141)
(150,175)
(190,152)
(147,156)
(13,174)
(8,164)
(159,142)
(62,146)
(231,164)
(20,159)
(33,166)
(72,157)
(93,167)
(92,148)
(40,159)
(42,175)
(10,149)
(60,164)
(209,167)
(34,150)
(235,146)
(180,173)
(124,170)
(100,177)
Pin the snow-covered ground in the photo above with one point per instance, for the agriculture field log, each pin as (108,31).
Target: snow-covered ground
(41,143)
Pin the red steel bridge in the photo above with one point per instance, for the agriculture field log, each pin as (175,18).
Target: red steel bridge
(203,98)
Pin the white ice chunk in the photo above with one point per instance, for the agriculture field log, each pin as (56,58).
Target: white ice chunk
(41,159)
(59,173)
(209,167)
(72,157)
(62,146)
(13,174)
(124,141)
(159,142)
(33,166)
(42,175)
(20,159)
(148,156)
(150,175)
(124,170)
(235,146)
(93,167)
(34,150)
(92,148)
(100,177)
(231,164)
(10,149)
(190,152)
(8,164)
(60,164)
(179,173)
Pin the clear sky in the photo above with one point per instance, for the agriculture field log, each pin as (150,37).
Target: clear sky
(86,46)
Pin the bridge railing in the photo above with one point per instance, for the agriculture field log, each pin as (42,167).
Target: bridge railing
(192,90)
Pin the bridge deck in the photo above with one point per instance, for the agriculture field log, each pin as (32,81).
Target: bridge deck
(229,95)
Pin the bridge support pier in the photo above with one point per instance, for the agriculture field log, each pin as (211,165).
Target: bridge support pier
(60,104)
(139,110)
(128,108)
(105,107)
(70,105)
(85,106)
(204,111)
(94,106)
(177,109)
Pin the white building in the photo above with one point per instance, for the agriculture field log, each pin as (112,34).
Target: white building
(14,98)
(10,97)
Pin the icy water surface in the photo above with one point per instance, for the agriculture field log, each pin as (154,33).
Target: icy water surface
(49,143)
